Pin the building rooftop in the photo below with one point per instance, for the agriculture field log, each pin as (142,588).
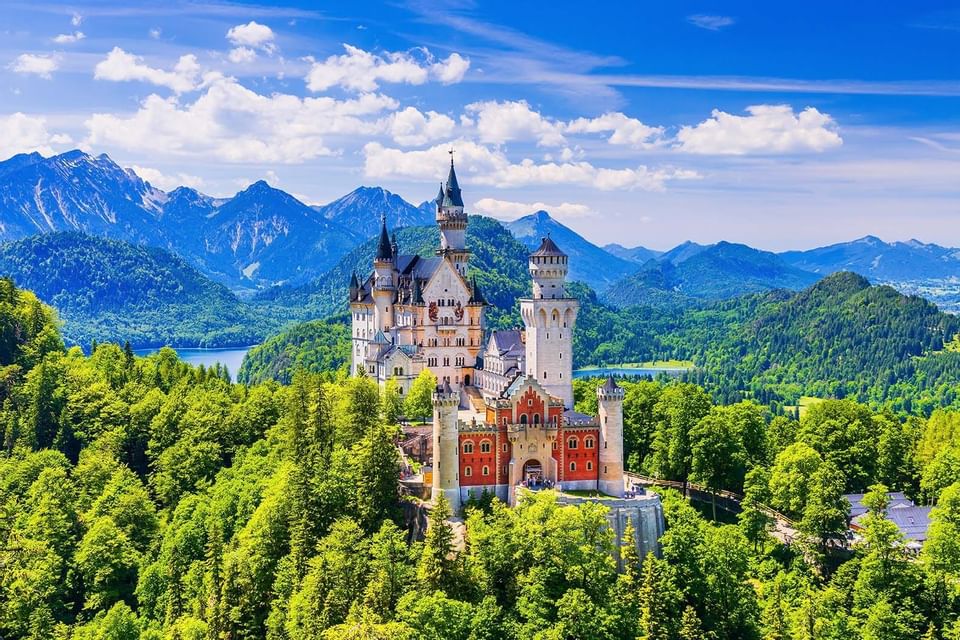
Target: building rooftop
(548,248)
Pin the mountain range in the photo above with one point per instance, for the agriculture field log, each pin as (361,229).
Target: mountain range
(259,237)
(265,241)
(722,270)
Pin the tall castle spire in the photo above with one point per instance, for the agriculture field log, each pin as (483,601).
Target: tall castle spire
(452,221)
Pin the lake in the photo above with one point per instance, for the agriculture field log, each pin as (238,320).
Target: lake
(628,371)
(231,358)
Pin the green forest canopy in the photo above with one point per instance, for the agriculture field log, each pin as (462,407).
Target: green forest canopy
(144,498)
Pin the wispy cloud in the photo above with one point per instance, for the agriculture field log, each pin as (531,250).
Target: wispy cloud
(785,85)
(712,23)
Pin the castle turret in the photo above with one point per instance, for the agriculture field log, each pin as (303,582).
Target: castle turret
(354,286)
(550,317)
(446,445)
(452,221)
(610,414)
(383,287)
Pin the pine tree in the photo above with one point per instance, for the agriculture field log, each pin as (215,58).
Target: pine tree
(437,568)
(658,600)
(690,627)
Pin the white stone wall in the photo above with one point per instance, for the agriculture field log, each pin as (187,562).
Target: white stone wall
(610,456)
(549,326)
(446,448)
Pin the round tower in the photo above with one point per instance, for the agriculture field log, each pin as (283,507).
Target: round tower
(452,221)
(446,445)
(549,318)
(383,285)
(610,414)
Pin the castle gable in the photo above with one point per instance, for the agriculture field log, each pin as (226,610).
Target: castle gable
(445,283)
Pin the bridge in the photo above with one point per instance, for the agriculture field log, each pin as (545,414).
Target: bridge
(784,529)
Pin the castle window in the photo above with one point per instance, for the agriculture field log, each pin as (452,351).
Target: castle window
(572,443)
(554,446)
(588,443)
(485,446)
(504,444)
(523,419)
(468,447)
(468,472)
(485,471)
(530,402)
(589,466)
(604,468)
(573,466)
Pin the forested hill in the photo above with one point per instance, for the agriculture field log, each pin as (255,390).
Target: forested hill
(723,270)
(841,337)
(108,290)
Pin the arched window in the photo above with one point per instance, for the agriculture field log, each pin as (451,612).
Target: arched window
(467,472)
(588,442)
(573,466)
(468,447)
(589,466)
(523,419)
(485,471)
(485,447)
(536,418)
(571,443)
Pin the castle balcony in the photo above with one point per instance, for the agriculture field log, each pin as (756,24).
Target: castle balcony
(514,431)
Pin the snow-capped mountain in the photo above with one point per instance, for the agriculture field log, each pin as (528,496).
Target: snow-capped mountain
(76,192)
(259,237)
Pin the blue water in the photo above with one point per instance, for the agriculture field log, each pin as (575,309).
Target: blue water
(627,371)
(230,358)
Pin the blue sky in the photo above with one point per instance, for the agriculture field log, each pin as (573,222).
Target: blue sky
(638,123)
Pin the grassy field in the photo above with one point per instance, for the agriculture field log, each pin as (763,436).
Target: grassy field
(805,403)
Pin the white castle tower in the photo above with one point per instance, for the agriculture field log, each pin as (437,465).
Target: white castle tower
(610,416)
(446,446)
(452,221)
(549,317)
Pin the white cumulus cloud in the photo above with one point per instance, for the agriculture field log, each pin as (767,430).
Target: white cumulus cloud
(492,167)
(69,38)
(120,66)
(35,64)
(234,124)
(622,129)
(240,55)
(410,127)
(767,129)
(21,133)
(451,70)
(359,70)
(252,34)
(167,182)
(499,122)
(508,210)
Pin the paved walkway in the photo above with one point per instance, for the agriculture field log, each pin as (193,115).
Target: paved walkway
(784,529)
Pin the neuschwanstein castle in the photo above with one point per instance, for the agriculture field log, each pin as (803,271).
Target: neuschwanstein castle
(503,411)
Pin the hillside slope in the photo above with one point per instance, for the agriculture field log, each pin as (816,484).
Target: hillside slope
(723,270)
(108,290)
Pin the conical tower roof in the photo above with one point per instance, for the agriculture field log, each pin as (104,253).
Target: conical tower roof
(384,248)
(548,248)
(452,197)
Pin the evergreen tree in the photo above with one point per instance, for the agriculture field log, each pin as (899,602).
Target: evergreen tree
(437,570)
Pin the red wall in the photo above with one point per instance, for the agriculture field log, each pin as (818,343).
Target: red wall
(581,455)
